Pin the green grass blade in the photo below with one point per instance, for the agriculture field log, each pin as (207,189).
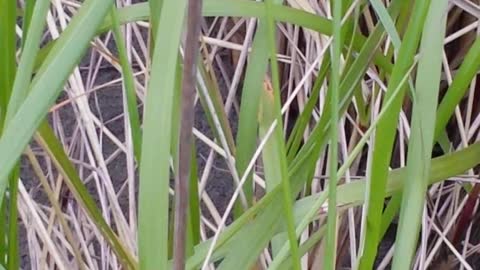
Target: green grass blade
(129,86)
(301,123)
(157,136)
(385,134)
(194,204)
(334,87)
(390,213)
(27,17)
(275,155)
(7,54)
(154,17)
(247,124)
(13,243)
(8,70)
(459,85)
(422,135)
(29,52)
(387,22)
(30,43)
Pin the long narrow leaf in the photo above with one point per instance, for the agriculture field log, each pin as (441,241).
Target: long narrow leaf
(157,135)
(422,135)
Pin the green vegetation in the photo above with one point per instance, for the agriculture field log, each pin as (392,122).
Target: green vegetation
(333,122)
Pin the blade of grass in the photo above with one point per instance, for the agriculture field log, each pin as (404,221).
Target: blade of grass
(7,54)
(128,86)
(30,50)
(271,154)
(13,244)
(27,17)
(276,158)
(387,22)
(154,18)
(194,205)
(384,137)
(157,136)
(302,121)
(331,238)
(422,135)
(8,70)
(457,89)
(247,124)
